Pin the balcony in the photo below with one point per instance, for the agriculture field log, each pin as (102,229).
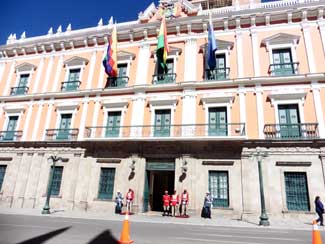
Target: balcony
(230,130)
(62,134)
(19,90)
(117,82)
(283,69)
(217,74)
(11,135)
(70,85)
(291,131)
(164,79)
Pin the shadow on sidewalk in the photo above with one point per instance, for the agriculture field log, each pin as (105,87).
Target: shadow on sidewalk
(42,238)
(105,237)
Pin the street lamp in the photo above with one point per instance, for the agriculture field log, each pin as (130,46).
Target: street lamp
(264,219)
(54,158)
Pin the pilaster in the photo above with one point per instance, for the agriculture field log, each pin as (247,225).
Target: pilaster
(190,60)
(309,47)
(143,64)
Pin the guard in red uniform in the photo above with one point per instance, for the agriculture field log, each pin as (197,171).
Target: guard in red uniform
(129,200)
(174,202)
(184,202)
(166,200)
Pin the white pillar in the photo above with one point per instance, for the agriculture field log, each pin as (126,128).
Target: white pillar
(48,74)
(38,75)
(102,71)
(309,47)
(143,62)
(27,120)
(318,107)
(48,118)
(239,47)
(8,82)
(242,108)
(190,60)
(321,25)
(57,74)
(95,115)
(189,113)
(37,119)
(137,114)
(255,48)
(260,111)
(91,69)
(83,118)
(2,70)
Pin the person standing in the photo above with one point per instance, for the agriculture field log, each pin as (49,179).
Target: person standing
(184,203)
(319,207)
(207,206)
(174,202)
(119,202)
(129,200)
(166,200)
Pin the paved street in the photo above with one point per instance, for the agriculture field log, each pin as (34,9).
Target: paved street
(26,229)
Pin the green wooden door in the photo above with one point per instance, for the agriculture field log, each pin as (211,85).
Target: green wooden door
(282,62)
(65,126)
(162,123)
(73,81)
(106,183)
(23,81)
(218,121)
(113,124)
(57,178)
(2,174)
(9,135)
(289,121)
(218,187)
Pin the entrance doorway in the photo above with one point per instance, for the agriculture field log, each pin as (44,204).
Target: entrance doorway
(159,177)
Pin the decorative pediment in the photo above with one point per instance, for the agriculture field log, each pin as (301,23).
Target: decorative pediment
(67,106)
(163,101)
(173,51)
(217,98)
(121,103)
(221,45)
(281,38)
(125,56)
(25,67)
(291,94)
(76,61)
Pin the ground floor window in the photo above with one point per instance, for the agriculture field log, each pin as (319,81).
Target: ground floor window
(219,188)
(2,174)
(296,191)
(57,178)
(106,183)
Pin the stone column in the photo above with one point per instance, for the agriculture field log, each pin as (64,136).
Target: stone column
(143,64)
(38,75)
(309,47)
(242,104)
(37,119)
(255,49)
(91,69)
(58,71)
(6,91)
(189,112)
(48,75)
(190,60)
(83,118)
(240,58)
(137,114)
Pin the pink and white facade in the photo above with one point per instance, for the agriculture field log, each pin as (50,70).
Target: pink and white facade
(194,128)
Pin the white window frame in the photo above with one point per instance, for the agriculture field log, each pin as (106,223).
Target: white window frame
(68,68)
(128,63)
(291,46)
(226,52)
(66,108)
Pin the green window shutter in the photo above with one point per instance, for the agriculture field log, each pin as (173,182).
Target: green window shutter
(162,123)
(106,183)
(11,128)
(296,191)
(219,188)
(23,81)
(65,126)
(282,62)
(57,178)
(289,121)
(2,174)
(218,121)
(170,65)
(73,80)
(113,124)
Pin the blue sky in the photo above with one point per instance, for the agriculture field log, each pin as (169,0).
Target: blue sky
(37,16)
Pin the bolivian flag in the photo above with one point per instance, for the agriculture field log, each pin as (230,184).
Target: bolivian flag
(110,60)
(162,48)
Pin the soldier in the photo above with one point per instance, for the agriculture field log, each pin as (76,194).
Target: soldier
(174,202)
(129,200)
(184,203)
(166,200)
(119,202)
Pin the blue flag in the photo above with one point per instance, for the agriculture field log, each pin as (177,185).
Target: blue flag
(212,47)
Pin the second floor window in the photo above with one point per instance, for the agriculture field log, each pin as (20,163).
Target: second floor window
(221,71)
(21,88)
(218,121)
(289,121)
(64,127)
(282,62)
(113,124)
(10,132)
(169,77)
(73,82)
(162,122)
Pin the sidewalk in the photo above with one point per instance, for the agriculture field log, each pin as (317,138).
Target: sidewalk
(155,217)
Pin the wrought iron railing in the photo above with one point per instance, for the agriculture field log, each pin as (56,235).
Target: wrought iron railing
(158,79)
(217,74)
(61,134)
(182,131)
(19,90)
(283,69)
(11,135)
(121,81)
(291,131)
(70,85)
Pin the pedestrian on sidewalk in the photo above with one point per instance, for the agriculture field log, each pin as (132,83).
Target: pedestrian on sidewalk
(319,207)
(119,202)
(129,200)
(166,200)
(174,201)
(206,210)
(184,203)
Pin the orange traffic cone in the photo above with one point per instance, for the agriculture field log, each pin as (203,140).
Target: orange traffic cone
(317,239)
(125,234)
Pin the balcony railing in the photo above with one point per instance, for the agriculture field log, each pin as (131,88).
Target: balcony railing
(217,74)
(164,79)
(283,69)
(121,81)
(70,85)
(62,134)
(291,131)
(181,131)
(19,90)
(11,135)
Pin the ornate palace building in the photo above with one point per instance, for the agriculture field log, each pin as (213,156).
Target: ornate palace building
(252,125)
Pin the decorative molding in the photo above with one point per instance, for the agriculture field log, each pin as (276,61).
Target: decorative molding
(218,163)
(108,160)
(293,164)
(25,67)
(76,61)
(67,106)
(13,108)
